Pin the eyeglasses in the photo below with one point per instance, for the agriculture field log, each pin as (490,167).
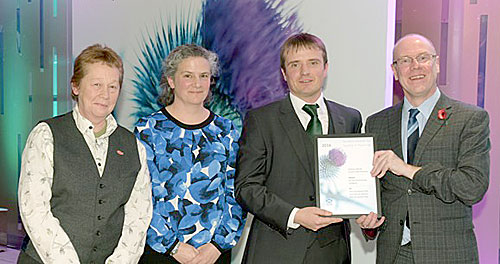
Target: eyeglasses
(406,61)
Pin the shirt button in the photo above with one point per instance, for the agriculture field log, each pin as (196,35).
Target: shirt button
(99,164)
(91,127)
(98,233)
(409,192)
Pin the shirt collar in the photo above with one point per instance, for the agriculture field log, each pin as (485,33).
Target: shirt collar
(426,107)
(85,126)
(298,103)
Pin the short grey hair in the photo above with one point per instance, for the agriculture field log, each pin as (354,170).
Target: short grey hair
(171,64)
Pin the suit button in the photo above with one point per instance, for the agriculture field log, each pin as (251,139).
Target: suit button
(99,217)
(92,262)
(98,233)
(409,192)
(401,222)
(94,249)
(311,198)
(101,201)
(101,186)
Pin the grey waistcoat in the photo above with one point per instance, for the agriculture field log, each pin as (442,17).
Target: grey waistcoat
(90,209)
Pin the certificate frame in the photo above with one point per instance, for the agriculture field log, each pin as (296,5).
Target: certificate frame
(336,168)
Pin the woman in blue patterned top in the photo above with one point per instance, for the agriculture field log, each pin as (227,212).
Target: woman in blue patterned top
(191,156)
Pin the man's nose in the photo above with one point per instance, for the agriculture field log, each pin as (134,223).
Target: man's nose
(414,63)
(304,70)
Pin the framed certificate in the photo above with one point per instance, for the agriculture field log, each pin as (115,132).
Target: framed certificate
(344,185)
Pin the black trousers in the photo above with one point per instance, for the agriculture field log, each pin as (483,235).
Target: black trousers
(150,256)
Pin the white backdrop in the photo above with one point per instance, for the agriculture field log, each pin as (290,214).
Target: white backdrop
(359,36)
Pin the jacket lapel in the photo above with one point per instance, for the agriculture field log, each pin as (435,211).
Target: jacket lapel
(299,140)
(433,125)
(336,121)
(395,130)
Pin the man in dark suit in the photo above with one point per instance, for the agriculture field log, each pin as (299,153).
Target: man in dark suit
(433,162)
(275,173)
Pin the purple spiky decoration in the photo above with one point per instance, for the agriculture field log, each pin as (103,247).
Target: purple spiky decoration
(247,35)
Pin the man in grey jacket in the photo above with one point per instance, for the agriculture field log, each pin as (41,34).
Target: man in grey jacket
(433,162)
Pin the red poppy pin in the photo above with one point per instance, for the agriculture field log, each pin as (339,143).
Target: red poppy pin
(442,115)
(119,152)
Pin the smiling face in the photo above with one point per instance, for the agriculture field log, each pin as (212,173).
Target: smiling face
(305,71)
(417,79)
(97,92)
(191,82)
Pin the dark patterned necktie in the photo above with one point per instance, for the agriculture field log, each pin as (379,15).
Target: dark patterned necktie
(314,125)
(411,143)
(413,135)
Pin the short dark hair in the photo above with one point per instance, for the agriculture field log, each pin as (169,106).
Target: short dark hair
(302,40)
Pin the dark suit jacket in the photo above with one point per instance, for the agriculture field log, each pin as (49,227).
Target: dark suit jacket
(454,155)
(275,173)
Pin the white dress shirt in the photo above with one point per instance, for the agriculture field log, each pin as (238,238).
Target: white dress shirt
(35,191)
(304,118)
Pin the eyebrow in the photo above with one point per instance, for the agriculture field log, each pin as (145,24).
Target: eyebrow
(100,79)
(193,72)
(294,61)
(421,53)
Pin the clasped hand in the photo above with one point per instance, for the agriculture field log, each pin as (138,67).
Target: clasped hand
(206,254)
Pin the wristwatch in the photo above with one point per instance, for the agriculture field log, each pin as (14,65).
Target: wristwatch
(175,249)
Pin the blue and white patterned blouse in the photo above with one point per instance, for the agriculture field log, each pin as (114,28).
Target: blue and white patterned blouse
(192,174)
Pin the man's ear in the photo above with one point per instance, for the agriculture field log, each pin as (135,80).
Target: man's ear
(283,73)
(437,63)
(395,71)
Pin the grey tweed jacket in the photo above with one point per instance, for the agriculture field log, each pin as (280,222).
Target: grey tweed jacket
(454,155)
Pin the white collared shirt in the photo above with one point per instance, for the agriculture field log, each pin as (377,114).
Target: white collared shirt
(304,118)
(35,191)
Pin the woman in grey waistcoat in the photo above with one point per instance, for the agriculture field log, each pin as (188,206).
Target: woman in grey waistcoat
(84,189)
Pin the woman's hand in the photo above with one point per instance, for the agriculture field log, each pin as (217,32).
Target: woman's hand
(186,253)
(208,255)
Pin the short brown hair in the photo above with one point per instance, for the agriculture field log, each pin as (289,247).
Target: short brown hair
(95,54)
(302,40)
